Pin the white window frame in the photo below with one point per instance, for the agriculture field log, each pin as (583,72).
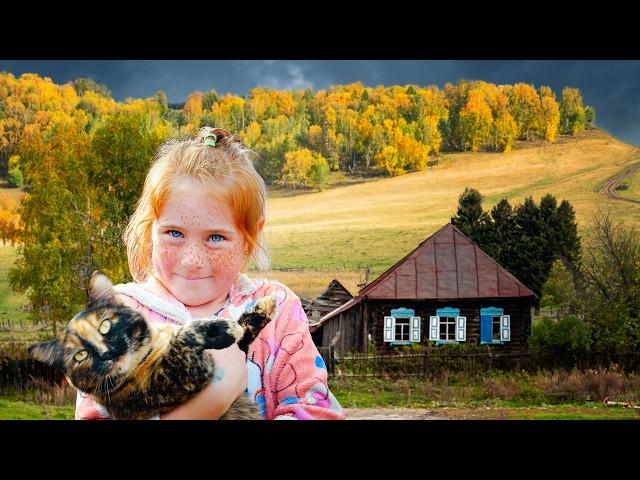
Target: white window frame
(405,328)
(414,326)
(434,328)
(493,319)
(459,329)
(389,329)
(455,329)
(505,328)
(415,330)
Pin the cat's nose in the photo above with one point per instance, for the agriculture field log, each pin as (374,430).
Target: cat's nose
(108,364)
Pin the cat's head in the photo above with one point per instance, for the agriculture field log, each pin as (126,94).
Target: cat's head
(101,345)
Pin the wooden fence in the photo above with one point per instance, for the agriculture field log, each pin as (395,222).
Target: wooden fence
(430,363)
(18,369)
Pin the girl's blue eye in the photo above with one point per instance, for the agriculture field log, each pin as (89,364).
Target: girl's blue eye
(216,238)
(175,233)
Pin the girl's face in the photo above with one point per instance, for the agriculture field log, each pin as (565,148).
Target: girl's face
(197,248)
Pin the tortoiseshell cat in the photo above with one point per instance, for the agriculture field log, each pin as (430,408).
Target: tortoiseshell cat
(137,369)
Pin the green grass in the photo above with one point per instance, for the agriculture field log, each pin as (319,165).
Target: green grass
(634,187)
(575,412)
(465,398)
(590,411)
(10,303)
(11,409)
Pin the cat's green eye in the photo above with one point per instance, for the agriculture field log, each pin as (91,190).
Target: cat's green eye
(104,327)
(80,356)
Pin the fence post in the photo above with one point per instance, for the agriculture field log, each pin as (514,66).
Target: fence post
(426,362)
(332,358)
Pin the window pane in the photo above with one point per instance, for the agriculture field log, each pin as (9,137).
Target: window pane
(495,330)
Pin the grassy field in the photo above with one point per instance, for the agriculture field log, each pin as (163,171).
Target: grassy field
(633,190)
(554,395)
(12,306)
(545,412)
(378,222)
(11,409)
(545,395)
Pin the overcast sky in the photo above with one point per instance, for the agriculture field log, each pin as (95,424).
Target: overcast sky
(612,87)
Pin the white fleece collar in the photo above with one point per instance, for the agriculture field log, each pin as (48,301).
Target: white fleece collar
(242,287)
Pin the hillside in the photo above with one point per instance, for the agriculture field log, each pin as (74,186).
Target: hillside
(378,222)
(339,232)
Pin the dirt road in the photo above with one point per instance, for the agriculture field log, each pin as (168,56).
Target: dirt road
(613,182)
(391,414)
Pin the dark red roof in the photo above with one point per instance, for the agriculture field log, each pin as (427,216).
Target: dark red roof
(447,265)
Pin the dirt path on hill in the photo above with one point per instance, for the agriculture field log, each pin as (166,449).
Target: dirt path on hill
(613,182)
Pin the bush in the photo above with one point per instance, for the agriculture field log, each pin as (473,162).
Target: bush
(14,178)
(591,385)
(562,343)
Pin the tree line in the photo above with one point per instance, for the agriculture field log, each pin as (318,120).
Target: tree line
(302,135)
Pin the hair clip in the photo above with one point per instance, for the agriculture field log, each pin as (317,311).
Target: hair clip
(210,139)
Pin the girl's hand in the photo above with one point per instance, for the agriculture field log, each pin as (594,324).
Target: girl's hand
(229,382)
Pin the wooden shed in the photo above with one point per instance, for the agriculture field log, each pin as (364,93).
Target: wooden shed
(334,296)
(447,290)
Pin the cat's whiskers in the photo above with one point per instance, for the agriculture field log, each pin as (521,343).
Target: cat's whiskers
(109,380)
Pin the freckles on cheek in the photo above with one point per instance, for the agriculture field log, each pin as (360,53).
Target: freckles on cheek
(225,261)
(165,253)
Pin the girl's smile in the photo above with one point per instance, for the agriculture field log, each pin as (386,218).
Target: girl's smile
(197,250)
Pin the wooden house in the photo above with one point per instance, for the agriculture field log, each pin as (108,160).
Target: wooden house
(447,290)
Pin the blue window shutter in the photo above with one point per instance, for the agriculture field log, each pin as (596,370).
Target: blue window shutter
(486,323)
(389,329)
(485,329)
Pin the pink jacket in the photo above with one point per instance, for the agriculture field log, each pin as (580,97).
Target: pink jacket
(287,377)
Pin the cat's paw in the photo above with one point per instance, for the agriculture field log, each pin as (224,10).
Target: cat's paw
(256,317)
(265,306)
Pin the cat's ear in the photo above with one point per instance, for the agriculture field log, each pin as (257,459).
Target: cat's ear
(50,353)
(101,292)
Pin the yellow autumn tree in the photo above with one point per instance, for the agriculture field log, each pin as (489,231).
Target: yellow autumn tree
(304,168)
(228,113)
(192,111)
(475,121)
(524,105)
(505,132)
(549,118)
(389,160)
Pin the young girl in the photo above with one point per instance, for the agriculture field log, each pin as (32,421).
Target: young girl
(196,226)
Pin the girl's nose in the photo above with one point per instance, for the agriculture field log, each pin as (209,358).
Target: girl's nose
(192,257)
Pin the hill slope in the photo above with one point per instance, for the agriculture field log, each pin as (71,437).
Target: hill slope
(378,222)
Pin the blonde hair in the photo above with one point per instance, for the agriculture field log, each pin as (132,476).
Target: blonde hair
(227,167)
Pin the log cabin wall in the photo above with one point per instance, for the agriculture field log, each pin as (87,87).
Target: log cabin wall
(518,309)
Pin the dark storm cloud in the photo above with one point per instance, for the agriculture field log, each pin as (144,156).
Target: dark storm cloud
(611,87)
